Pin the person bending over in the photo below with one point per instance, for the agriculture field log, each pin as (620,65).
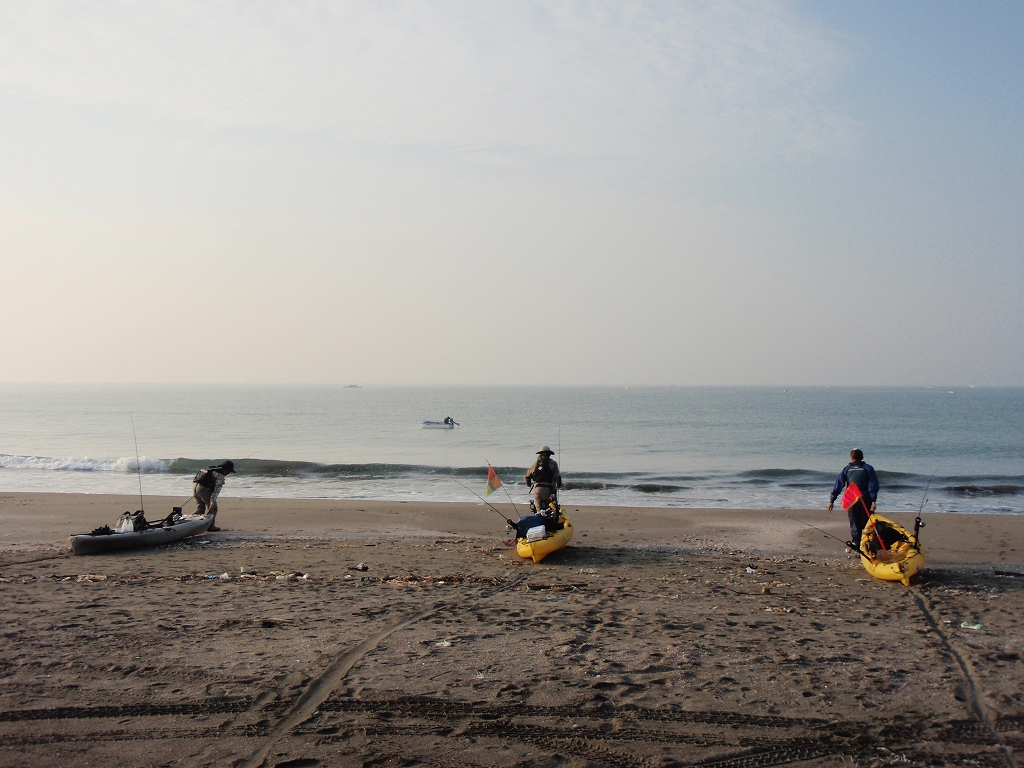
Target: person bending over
(208,484)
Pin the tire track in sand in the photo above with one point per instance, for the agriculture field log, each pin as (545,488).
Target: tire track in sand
(318,691)
(978,707)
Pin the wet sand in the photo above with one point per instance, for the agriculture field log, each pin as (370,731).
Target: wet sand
(326,633)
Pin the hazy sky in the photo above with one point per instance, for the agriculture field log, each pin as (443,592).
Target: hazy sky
(512,193)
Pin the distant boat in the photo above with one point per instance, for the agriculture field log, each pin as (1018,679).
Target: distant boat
(352,386)
(448,423)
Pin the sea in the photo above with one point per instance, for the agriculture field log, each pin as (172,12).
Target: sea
(935,449)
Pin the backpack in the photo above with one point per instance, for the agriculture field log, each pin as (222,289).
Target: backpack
(204,477)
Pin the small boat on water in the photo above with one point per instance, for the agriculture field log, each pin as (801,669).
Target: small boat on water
(448,423)
(889,551)
(173,528)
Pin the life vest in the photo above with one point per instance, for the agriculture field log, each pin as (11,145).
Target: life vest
(544,474)
(205,478)
(857,475)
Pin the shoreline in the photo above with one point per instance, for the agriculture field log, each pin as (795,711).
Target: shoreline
(45,521)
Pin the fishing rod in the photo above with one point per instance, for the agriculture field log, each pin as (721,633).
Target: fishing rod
(849,544)
(918,524)
(487,503)
(138,465)
(504,489)
(138,469)
(927,485)
(561,463)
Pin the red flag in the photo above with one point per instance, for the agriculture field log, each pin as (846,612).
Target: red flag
(851,496)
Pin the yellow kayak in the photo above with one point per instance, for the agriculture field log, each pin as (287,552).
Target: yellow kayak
(895,553)
(538,550)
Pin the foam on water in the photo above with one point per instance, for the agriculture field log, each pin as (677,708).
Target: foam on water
(85,464)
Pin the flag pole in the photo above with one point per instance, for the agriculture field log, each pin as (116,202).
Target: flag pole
(504,489)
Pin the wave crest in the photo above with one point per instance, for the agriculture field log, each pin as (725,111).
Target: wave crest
(85,464)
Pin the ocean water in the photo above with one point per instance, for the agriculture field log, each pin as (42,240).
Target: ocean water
(727,447)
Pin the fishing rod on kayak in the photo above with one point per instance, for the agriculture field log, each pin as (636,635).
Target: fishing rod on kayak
(561,463)
(487,503)
(138,469)
(849,544)
(138,465)
(918,524)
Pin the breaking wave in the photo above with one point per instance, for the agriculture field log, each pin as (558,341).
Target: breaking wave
(761,488)
(984,490)
(86,464)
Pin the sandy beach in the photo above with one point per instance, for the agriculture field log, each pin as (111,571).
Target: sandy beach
(327,633)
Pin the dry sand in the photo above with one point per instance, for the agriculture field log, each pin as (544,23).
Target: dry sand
(657,638)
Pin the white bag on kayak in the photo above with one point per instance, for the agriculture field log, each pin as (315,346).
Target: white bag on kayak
(537,533)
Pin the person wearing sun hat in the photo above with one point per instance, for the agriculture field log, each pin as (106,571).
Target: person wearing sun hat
(208,484)
(544,478)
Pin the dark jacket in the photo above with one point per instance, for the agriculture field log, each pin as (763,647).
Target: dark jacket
(860,474)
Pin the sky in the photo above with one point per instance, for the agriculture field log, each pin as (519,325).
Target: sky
(521,193)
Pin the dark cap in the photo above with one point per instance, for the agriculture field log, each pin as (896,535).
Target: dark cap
(227,467)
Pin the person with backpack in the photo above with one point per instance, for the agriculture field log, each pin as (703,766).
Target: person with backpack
(862,475)
(208,484)
(544,478)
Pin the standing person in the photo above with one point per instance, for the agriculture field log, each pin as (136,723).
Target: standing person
(208,484)
(543,476)
(862,475)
